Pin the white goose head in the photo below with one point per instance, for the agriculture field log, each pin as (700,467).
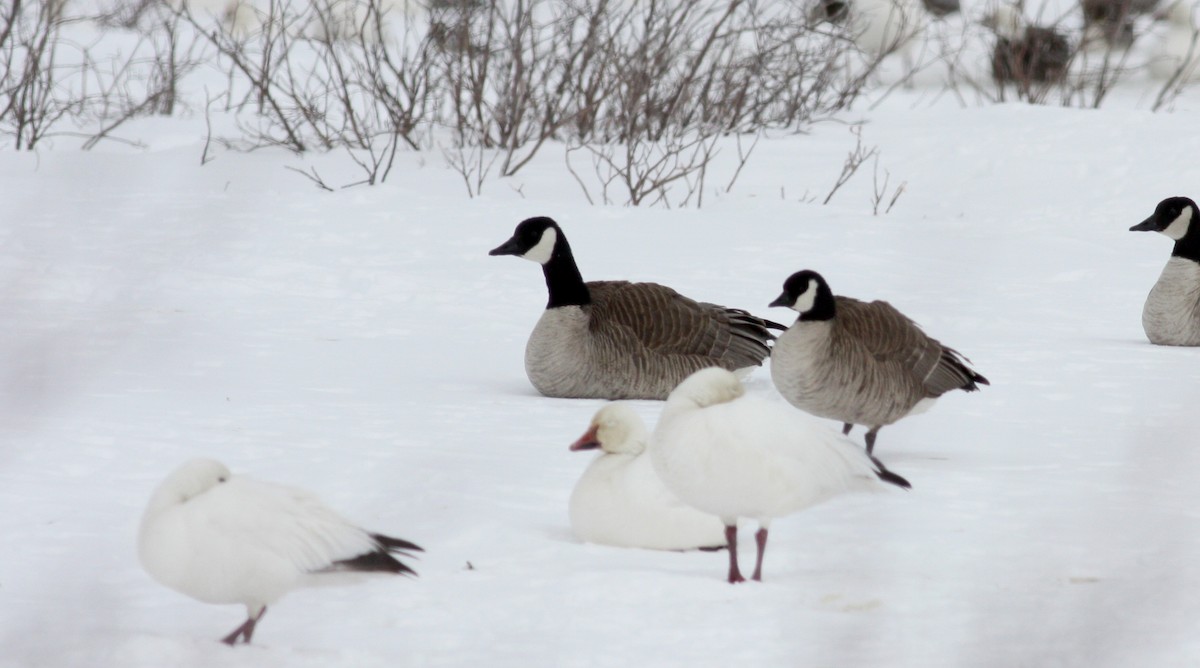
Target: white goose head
(187,482)
(616,429)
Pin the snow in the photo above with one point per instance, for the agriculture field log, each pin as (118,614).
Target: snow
(362,344)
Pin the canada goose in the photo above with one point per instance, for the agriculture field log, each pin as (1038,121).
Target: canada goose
(621,340)
(221,538)
(1171,316)
(735,456)
(859,362)
(1026,54)
(620,500)
(1175,56)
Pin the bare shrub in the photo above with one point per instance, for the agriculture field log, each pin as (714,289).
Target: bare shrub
(854,159)
(31,73)
(325,75)
(645,170)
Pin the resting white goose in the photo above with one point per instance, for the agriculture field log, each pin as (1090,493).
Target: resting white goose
(621,501)
(1171,315)
(622,340)
(736,456)
(221,538)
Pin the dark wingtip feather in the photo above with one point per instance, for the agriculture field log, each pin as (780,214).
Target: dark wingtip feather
(378,561)
(887,476)
(393,544)
(381,560)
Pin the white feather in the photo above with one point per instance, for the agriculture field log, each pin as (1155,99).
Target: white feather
(621,501)
(738,456)
(220,538)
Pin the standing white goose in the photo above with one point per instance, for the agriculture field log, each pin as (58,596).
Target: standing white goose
(221,538)
(1171,315)
(735,456)
(621,501)
(621,340)
(860,362)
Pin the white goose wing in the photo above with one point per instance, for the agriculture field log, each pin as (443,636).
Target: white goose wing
(272,521)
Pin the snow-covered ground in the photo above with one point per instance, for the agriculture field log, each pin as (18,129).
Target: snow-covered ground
(363,345)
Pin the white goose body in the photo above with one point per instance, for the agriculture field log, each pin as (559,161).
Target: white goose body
(742,457)
(224,539)
(1171,314)
(754,458)
(620,500)
(623,340)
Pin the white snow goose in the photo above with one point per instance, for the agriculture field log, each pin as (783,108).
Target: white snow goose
(736,456)
(221,538)
(620,501)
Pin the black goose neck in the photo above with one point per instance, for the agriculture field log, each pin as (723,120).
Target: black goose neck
(1188,247)
(823,308)
(563,280)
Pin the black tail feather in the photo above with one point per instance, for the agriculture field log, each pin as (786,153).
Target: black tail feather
(959,363)
(887,476)
(395,544)
(381,560)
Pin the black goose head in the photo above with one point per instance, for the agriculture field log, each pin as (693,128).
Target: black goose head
(1173,217)
(535,239)
(807,293)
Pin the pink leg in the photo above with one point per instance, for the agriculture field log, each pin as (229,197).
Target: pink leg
(735,575)
(760,538)
(245,630)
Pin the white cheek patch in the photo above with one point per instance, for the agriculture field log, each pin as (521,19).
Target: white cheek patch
(545,247)
(1179,227)
(804,302)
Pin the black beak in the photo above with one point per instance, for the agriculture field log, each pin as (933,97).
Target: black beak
(781,300)
(510,247)
(1145,226)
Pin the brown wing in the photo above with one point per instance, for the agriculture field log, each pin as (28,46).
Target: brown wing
(892,339)
(667,323)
